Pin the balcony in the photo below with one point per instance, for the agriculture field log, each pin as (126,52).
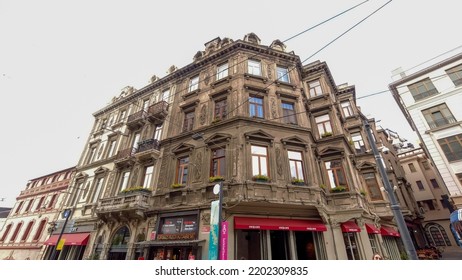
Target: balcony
(123,207)
(441,122)
(125,157)
(147,149)
(136,120)
(157,112)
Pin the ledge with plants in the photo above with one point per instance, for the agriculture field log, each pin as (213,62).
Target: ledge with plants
(138,189)
(214,179)
(260,178)
(338,189)
(298,182)
(176,186)
(326,134)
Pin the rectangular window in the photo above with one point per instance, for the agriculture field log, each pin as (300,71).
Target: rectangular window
(296,165)
(158,132)
(335,174)
(98,188)
(220,109)
(455,74)
(222,71)
(282,74)
(148,171)
(124,181)
(40,203)
(145,105)
(218,164)
(254,67)
(188,123)
(422,89)
(122,115)
(91,154)
(347,109)
(136,140)
(19,207)
(373,188)
(259,160)
(324,125)
(351,245)
(111,149)
(459,177)
(315,89)
(256,107)
(288,113)
(452,147)
(166,96)
(412,167)
(438,116)
(358,142)
(434,184)
(420,186)
(182,170)
(429,203)
(194,83)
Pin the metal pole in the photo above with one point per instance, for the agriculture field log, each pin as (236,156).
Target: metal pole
(405,236)
(220,201)
(67,214)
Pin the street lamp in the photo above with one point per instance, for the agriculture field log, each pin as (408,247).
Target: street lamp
(396,209)
(66,214)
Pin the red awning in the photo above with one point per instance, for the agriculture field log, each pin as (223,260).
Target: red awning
(389,231)
(350,226)
(372,229)
(278,224)
(70,239)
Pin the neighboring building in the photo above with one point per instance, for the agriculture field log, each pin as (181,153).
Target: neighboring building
(299,178)
(4,212)
(428,191)
(33,217)
(430,100)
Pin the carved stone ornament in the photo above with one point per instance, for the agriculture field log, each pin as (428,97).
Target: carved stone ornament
(207,78)
(274,112)
(203,114)
(278,161)
(198,164)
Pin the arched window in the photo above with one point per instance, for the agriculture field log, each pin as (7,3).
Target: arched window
(436,235)
(27,231)
(5,234)
(121,237)
(39,231)
(16,231)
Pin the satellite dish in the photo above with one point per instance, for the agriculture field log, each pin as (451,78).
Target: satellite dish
(216,189)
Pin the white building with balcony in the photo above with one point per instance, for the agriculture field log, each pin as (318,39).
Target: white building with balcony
(430,99)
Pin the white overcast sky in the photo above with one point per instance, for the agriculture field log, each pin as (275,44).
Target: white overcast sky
(60,61)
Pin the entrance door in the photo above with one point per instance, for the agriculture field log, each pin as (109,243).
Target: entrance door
(279,245)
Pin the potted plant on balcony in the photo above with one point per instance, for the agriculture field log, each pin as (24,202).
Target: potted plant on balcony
(338,189)
(362,192)
(137,189)
(213,179)
(297,181)
(216,120)
(260,178)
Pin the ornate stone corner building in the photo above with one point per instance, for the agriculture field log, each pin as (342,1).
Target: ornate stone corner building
(299,180)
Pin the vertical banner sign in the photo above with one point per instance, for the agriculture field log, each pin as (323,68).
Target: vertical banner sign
(213,237)
(60,245)
(224,241)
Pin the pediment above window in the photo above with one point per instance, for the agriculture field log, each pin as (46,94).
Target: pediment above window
(101,170)
(294,141)
(182,148)
(365,165)
(331,151)
(259,135)
(217,139)
(81,175)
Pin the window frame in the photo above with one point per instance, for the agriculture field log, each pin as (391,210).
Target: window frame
(455,74)
(220,111)
(289,116)
(259,157)
(298,164)
(334,178)
(417,94)
(452,147)
(222,71)
(254,67)
(315,88)
(193,83)
(254,107)
(373,187)
(321,124)
(282,74)
(220,160)
(189,119)
(347,110)
(182,169)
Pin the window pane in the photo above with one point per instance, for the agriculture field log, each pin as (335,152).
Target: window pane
(255,166)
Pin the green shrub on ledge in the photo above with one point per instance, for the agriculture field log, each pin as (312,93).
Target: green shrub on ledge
(338,189)
(177,185)
(216,179)
(135,189)
(296,181)
(263,178)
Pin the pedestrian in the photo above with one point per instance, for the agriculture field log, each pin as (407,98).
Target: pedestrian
(376,256)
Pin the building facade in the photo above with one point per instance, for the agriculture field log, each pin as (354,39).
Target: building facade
(429,100)
(33,217)
(287,145)
(428,191)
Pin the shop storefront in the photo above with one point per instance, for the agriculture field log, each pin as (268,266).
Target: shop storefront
(74,245)
(278,239)
(175,238)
